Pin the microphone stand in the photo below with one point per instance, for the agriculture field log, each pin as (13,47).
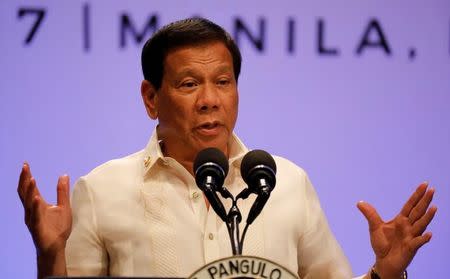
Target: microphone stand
(234,217)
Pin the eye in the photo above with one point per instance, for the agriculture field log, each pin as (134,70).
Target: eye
(223,81)
(189,84)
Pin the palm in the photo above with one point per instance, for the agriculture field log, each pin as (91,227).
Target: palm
(53,227)
(390,243)
(396,242)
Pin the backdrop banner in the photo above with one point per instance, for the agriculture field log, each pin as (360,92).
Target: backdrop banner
(355,92)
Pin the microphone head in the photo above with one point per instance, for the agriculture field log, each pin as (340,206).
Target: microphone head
(258,164)
(210,162)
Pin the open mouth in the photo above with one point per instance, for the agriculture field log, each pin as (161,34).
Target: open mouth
(209,126)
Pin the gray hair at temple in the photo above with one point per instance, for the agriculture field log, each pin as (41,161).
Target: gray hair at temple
(182,33)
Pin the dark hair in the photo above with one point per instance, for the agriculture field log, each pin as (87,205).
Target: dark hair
(186,32)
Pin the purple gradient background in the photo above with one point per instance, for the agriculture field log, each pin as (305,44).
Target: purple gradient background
(369,127)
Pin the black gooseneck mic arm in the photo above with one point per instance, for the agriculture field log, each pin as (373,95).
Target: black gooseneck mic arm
(208,187)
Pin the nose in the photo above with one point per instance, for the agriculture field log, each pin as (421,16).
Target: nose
(208,98)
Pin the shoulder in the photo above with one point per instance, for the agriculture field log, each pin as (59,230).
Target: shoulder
(289,171)
(114,173)
(293,182)
(129,161)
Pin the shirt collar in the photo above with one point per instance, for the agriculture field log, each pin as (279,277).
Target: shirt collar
(153,152)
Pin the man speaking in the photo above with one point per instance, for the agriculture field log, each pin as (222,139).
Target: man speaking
(143,215)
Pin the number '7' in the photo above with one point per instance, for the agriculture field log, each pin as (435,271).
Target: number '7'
(39,13)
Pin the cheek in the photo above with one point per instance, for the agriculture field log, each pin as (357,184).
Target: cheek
(180,116)
(176,110)
(233,106)
(231,112)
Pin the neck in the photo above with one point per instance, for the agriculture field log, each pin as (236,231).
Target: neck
(183,155)
(186,161)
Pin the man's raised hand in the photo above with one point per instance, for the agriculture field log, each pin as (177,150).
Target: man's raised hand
(49,225)
(396,242)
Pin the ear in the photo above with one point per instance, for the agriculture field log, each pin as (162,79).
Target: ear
(150,99)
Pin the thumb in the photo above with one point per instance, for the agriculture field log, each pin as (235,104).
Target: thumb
(63,191)
(371,215)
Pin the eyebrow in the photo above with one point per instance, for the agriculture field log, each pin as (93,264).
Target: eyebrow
(221,69)
(224,68)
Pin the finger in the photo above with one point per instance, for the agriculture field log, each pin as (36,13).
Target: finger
(420,225)
(421,207)
(24,180)
(36,213)
(371,215)
(63,191)
(29,195)
(32,191)
(414,199)
(419,241)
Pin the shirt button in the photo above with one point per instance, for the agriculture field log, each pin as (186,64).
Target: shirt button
(195,195)
(211,236)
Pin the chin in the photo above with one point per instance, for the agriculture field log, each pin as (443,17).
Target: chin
(220,144)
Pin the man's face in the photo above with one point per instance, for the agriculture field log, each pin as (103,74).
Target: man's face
(198,100)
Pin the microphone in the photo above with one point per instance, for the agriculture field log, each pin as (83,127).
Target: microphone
(258,169)
(210,169)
